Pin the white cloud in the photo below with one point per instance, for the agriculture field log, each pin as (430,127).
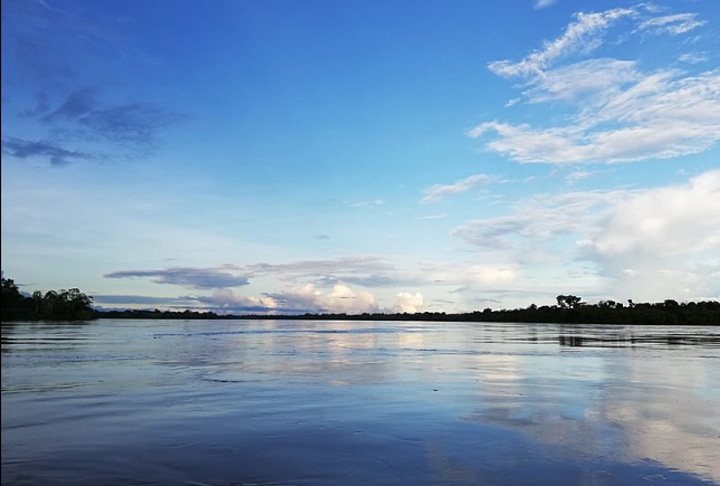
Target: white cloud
(540,4)
(341,298)
(580,175)
(662,115)
(226,299)
(539,218)
(617,112)
(592,81)
(408,302)
(672,24)
(437,191)
(665,222)
(648,244)
(693,57)
(365,204)
(583,35)
(469,274)
(435,216)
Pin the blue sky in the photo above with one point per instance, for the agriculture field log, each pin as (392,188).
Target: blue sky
(323,156)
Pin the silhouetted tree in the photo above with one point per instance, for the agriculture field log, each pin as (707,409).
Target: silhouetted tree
(568,301)
(64,305)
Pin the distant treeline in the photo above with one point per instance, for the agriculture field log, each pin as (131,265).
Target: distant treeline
(569,310)
(63,305)
(69,305)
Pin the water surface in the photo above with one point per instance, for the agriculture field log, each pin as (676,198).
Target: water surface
(131,402)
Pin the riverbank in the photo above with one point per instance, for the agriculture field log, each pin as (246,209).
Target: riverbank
(668,312)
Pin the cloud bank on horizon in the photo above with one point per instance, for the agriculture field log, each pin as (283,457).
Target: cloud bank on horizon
(303,159)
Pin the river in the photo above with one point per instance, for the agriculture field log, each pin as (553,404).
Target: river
(275,402)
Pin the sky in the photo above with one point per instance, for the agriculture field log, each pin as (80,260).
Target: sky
(279,156)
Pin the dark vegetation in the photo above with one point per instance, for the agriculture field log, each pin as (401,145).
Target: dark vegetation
(71,305)
(65,305)
(569,310)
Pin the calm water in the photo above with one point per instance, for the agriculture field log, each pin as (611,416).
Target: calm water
(127,402)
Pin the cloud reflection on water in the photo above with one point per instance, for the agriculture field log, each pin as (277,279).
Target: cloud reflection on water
(437,403)
(656,406)
(629,399)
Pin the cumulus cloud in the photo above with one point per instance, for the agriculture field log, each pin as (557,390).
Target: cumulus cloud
(647,244)
(664,242)
(666,221)
(408,302)
(437,191)
(225,301)
(617,111)
(340,299)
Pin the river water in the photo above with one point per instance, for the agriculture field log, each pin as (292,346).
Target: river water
(263,402)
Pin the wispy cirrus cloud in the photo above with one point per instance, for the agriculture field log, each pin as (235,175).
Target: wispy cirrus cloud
(366,271)
(198,278)
(135,123)
(672,24)
(580,175)
(541,4)
(75,112)
(582,35)
(470,274)
(30,149)
(662,115)
(540,218)
(693,57)
(368,204)
(438,191)
(134,300)
(84,121)
(616,111)
(352,268)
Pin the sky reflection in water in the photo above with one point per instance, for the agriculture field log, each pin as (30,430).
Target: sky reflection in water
(293,402)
